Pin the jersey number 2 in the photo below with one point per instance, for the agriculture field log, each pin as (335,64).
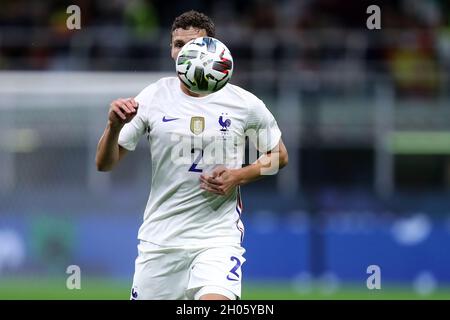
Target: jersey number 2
(194,165)
(233,271)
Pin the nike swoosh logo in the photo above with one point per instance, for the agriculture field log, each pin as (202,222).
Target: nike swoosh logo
(164,119)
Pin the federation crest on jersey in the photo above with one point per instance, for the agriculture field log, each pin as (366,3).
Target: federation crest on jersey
(197,125)
(224,123)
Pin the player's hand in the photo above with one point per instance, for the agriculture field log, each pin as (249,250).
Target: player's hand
(220,181)
(122,111)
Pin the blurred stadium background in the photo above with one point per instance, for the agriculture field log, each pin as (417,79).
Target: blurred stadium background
(365,116)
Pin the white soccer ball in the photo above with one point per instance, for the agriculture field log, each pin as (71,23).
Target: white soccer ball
(204,65)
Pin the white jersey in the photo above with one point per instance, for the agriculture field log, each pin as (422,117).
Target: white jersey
(189,136)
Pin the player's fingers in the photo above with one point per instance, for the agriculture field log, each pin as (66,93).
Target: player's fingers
(119,113)
(205,187)
(130,106)
(210,181)
(114,104)
(134,103)
(213,181)
(123,105)
(118,104)
(210,188)
(218,171)
(213,191)
(125,108)
(204,177)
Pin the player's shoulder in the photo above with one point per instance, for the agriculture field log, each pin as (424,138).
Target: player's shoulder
(166,82)
(240,94)
(157,90)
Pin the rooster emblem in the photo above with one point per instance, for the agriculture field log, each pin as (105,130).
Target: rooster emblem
(225,124)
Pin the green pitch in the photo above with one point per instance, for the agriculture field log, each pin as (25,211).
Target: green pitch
(105,289)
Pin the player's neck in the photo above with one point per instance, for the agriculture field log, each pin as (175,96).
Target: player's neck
(191,94)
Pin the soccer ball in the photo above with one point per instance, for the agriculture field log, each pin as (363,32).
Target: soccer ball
(204,65)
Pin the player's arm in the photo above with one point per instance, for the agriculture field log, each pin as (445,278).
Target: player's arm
(222,180)
(109,152)
(268,164)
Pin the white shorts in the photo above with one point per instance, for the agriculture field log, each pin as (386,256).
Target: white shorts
(179,273)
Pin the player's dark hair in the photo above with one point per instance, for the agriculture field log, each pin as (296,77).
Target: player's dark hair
(195,19)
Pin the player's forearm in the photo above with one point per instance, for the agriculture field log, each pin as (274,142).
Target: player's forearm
(267,164)
(248,174)
(108,148)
